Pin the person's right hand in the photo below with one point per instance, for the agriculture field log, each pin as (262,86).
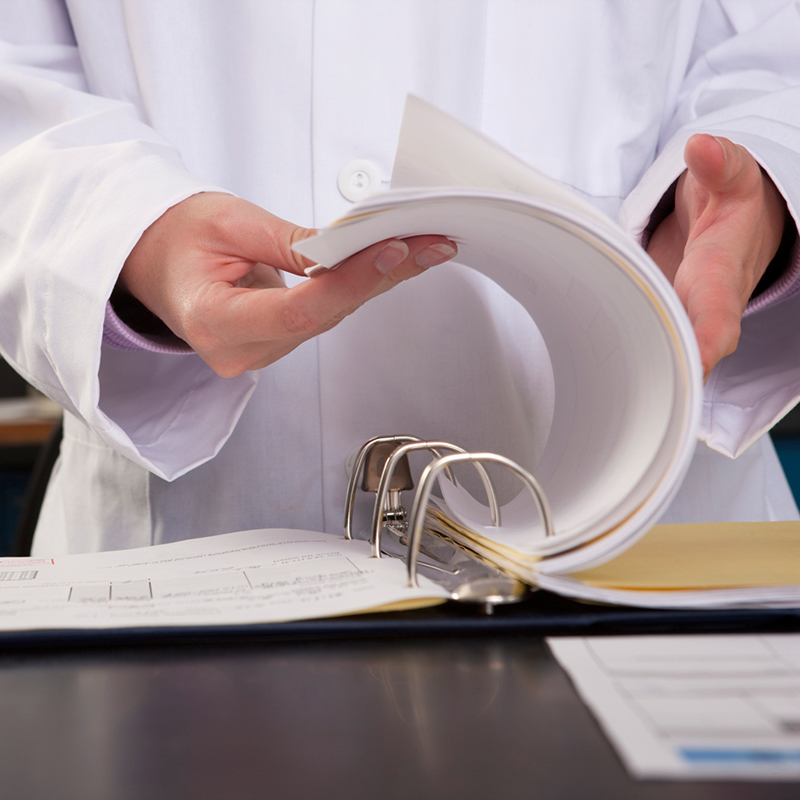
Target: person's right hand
(209,267)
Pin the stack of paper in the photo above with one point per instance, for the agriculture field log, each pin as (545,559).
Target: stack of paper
(626,371)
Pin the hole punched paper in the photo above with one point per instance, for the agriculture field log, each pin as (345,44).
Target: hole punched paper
(627,388)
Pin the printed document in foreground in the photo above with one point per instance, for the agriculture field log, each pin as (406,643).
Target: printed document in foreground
(724,707)
(233,579)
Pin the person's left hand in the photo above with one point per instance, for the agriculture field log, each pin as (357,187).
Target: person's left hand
(715,246)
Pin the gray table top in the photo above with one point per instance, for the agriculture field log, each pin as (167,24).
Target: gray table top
(437,717)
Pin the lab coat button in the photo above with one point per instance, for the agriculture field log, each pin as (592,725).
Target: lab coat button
(359,179)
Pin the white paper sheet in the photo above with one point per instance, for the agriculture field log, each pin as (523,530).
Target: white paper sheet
(626,371)
(237,578)
(723,707)
(787,596)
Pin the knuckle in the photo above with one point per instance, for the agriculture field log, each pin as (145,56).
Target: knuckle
(196,334)
(204,338)
(196,331)
(350,289)
(226,368)
(354,293)
(291,255)
(226,361)
(296,320)
(404,273)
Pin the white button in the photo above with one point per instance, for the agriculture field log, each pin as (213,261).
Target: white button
(359,179)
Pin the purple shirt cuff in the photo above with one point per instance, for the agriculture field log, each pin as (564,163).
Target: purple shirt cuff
(788,285)
(118,335)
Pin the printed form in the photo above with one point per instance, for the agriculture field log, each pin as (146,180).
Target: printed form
(234,579)
(721,707)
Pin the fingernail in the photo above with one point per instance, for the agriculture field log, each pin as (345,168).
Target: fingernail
(434,254)
(724,149)
(391,255)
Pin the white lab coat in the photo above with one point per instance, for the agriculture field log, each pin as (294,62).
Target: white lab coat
(161,99)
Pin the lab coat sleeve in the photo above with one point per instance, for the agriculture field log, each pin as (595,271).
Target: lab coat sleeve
(81,177)
(746,87)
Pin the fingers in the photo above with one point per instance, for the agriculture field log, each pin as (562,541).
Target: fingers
(246,329)
(205,238)
(715,163)
(711,292)
(716,244)
(717,337)
(211,268)
(247,233)
(317,303)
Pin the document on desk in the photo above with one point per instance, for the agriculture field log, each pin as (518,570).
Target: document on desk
(723,707)
(239,578)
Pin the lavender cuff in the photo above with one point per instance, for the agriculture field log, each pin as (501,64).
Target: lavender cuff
(118,335)
(788,285)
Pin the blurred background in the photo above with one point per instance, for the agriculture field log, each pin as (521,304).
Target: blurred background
(786,436)
(27,419)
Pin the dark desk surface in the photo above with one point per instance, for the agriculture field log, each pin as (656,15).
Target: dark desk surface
(447,717)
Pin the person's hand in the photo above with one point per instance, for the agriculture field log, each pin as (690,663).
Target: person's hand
(717,243)
(210,269)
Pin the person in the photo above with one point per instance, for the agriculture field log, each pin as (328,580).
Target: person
(153,153)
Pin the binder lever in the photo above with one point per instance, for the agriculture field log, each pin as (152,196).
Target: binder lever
(368,467)
(391,469)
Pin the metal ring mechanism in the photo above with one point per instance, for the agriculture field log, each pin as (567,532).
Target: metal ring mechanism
(382,501)
(360,471)
(429,475)
(382,467)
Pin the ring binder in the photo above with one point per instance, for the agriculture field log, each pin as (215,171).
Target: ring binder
(359,468)
(489,589)
(263,576)
(389,469)
(431,473)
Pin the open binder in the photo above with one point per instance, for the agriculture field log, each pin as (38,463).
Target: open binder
(311,583)
(628,389)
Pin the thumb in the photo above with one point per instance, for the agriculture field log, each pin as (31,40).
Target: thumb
(249,232)
(717,164)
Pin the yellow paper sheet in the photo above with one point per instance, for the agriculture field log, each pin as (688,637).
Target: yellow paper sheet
(707,556)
